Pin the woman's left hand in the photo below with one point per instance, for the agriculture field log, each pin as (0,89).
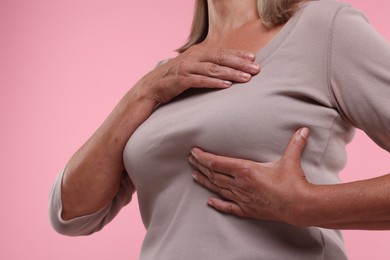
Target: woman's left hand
(275,191)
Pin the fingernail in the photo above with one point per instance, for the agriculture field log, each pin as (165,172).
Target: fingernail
(190,159)
(210,202)
(304,132)
(254,67)
(227,83)
(193,152)
(195,176)
(245,76)
(250,56)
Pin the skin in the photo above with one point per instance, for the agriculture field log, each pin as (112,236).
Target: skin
(267,191)
(236,24)
(279,191)
(276,191)
(92,175)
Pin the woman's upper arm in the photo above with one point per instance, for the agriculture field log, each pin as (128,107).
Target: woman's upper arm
(88,224)
(359,74)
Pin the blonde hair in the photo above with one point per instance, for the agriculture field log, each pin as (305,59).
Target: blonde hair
(271,13)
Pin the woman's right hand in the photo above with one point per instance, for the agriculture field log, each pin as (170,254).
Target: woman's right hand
(198,67)
(93,174)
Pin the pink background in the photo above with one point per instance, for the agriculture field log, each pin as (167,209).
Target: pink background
(63,66)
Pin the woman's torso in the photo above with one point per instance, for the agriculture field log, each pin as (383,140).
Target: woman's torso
(252,121)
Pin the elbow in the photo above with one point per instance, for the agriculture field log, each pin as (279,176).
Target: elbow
(63,227)
(78,226)
(74,227)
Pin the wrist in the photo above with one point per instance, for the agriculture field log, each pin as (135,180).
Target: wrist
(140,93)
(302,212)
(131,111)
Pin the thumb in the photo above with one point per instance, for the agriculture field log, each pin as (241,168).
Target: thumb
(296,145)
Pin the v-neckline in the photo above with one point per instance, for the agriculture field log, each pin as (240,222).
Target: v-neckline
(263,55)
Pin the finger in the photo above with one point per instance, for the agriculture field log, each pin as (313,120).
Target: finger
(226,165)
(227,207)
(221,72)
(242,54)
(219,179)
(204,181)
(230,58)
(201,81)
(234,52)
(296,145)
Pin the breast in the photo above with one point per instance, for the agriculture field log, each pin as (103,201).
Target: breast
(252,121)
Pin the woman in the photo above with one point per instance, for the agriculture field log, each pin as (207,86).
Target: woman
(324,68)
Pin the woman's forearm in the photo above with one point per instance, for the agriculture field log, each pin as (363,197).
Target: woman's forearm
(92,175)
(356,205)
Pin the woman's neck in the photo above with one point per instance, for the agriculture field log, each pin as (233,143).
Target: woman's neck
(231,21)
(228,15)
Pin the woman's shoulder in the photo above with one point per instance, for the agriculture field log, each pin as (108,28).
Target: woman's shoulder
(326,6)
(322,13)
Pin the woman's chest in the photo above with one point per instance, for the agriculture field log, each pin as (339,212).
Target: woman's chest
(253,121)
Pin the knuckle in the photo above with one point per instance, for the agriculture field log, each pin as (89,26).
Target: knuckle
(212,165)
(212,176)
(213,69)
(246,170)
(242,65)
(222,56)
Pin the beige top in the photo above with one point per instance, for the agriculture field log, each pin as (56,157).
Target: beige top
(327,69)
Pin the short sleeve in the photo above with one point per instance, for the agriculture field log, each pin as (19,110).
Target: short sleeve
(88,224)
(359,74)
